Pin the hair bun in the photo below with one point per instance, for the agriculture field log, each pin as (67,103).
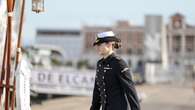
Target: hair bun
(117,45)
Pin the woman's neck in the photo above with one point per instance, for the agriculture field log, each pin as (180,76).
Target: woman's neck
(109,53)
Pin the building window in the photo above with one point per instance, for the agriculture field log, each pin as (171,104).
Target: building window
(129,51)
(176,43)
(139,51)
(189,43)
(177,50)
(176,63)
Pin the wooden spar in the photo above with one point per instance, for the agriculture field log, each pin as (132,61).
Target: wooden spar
(10,4)
(20,35)
(18,54)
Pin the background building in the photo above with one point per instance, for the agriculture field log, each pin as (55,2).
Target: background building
(181,44)
(140,44)
(153,35)
(70,40)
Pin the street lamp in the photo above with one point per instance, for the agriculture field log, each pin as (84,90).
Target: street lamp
(38,6)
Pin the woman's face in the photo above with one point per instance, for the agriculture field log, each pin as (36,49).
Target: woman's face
(103,48)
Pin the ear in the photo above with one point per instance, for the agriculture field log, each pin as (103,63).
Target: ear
(110,44)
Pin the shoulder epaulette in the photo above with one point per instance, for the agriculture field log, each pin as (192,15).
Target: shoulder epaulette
(118,57)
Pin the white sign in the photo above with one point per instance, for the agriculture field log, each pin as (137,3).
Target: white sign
(63,82)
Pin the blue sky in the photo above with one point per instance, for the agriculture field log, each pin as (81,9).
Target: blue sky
(65,14)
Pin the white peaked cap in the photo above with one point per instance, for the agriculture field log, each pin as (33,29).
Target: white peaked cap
(105,34)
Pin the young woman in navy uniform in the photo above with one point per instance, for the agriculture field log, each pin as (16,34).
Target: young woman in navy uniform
(114,88)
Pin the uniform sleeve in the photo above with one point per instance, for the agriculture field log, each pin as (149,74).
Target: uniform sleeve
(127,84)
(96,98)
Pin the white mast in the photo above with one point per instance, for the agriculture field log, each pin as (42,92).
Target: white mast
(164,47)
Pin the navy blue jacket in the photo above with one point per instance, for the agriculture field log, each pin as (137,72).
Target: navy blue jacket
(114,88)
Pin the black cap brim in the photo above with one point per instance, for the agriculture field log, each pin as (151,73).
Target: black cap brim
(107,39)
